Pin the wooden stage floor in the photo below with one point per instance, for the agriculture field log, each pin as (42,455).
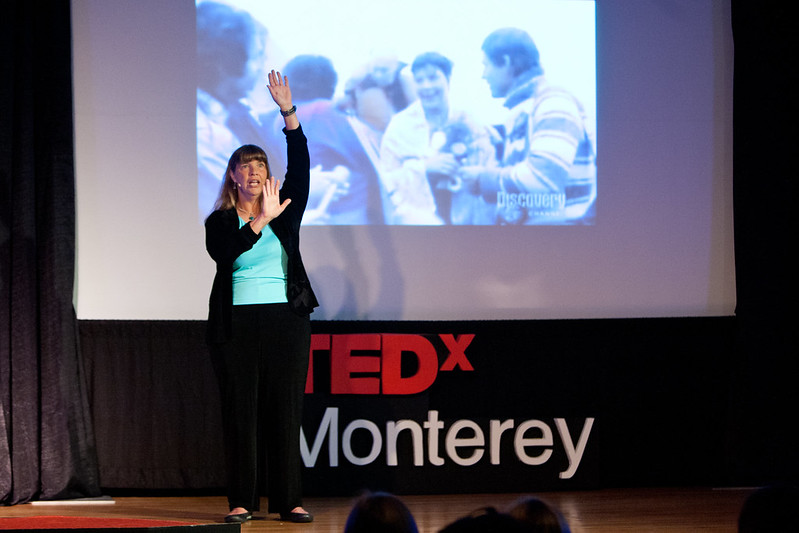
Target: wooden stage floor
(597,511)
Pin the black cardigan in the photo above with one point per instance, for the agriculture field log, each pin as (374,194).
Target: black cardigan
(225,242)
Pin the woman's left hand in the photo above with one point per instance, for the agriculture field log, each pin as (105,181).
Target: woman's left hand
(271,207)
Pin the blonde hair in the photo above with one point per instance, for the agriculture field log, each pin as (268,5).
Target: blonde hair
(228,193)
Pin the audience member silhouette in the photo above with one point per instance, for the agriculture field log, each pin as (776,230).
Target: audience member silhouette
(380,512)
(486,520)
(770,510)
(536,516)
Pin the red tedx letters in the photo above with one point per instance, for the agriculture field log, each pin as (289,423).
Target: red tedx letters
(381,355)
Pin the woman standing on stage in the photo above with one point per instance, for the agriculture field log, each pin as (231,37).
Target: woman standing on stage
(258,322)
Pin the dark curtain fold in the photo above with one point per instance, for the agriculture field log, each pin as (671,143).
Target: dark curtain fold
(46,438)
(762,435)
(155,403)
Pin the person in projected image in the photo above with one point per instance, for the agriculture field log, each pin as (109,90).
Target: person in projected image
(424,146)
(259,330)
(230,60)
(344,184)
(377,90)
(548,168)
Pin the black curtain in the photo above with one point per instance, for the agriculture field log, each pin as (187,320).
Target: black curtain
(46,438)
(762,435)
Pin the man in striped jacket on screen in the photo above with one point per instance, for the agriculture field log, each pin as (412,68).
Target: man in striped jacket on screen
(548,164)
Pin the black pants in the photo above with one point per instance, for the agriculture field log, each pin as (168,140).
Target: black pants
(261,373)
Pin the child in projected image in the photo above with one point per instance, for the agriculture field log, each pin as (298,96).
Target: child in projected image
(344,184)
(422,149)
(376,92)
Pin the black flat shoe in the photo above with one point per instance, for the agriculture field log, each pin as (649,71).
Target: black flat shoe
(238,518)
(298,518)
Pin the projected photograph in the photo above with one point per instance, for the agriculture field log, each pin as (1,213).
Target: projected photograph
(417,113)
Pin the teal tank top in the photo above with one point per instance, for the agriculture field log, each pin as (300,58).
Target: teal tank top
(259,274)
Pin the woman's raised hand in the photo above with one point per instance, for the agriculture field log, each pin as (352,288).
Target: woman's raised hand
(280,90)
(281,94)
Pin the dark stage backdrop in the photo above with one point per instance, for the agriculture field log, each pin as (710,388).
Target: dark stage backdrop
(435,407)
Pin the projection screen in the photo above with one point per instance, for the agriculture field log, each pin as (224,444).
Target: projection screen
(640,226)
